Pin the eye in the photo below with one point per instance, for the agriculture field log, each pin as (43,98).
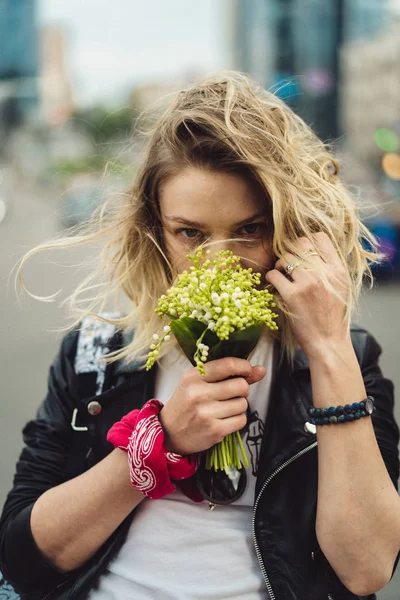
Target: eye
(189,234)
(253,228)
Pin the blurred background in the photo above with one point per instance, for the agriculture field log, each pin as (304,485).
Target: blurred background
(74,76)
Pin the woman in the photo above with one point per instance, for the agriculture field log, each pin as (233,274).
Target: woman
(229,165)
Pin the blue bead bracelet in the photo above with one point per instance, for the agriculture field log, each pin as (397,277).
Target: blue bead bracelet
(342,414)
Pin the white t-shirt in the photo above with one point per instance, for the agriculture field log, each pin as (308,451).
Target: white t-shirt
(177,549)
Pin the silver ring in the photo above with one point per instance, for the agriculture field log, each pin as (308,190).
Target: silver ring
(290,268)
(311,252)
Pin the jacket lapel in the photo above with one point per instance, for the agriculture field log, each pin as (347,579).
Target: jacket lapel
(285,433)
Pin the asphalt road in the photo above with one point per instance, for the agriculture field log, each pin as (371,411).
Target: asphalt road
(29,339)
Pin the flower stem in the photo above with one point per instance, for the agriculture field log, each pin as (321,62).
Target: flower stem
(242,450)
(224,457)
(231,449)
(234,452)
(225,454)
(220,457)
(208,459)
(215,460)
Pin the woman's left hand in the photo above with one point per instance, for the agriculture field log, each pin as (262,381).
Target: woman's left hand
(318,314)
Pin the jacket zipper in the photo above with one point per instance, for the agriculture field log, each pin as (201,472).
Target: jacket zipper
(49,594)
(266,482)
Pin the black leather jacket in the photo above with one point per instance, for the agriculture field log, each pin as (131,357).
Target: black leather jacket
(285,541)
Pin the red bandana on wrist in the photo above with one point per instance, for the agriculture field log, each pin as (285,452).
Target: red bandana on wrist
(151,466)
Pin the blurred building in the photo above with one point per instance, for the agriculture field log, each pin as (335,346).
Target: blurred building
(364,19)
(293,47)
(395,6)
(55,84)
(370,89)
(19,61)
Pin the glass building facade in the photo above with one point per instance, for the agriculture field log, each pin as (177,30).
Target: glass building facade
(19,56)
(292,47)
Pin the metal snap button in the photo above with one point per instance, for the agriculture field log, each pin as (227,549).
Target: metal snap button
(94,408)
(310,428)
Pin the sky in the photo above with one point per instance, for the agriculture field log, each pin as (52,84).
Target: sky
(112,45)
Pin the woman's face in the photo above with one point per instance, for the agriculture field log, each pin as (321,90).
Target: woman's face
(198,205)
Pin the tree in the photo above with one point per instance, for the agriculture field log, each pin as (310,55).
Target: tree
(104,125)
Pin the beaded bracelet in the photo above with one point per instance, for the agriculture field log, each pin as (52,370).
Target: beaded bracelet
(342,414)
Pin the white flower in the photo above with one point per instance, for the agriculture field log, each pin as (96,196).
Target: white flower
(167,338)
(211,325)
(167,328)
(225,319)
(156,336)
(225,295)
(203,286)
(204,349)
(207,316)
(215,298)
(238,304)
(218,309)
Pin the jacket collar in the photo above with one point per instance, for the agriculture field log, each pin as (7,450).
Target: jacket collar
(300,360)
(285,431)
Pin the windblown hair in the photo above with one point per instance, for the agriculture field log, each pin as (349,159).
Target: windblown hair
(223,123)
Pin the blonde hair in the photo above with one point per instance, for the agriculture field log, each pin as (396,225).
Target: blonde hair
(224,123)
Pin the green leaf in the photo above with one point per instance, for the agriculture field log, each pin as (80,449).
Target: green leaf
(187,331)
(240,343)
(172,317)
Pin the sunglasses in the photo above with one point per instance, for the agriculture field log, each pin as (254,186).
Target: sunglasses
(218,487)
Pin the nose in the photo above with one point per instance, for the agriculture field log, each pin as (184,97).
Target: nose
(218,243)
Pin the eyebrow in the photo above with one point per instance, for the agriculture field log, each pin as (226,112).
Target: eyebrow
(197,225)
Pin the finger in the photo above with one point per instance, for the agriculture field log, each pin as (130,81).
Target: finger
(228,389)
(309,250)
(222,368)
(324,246)
(257,373)
(232,424)
(280,283)
(229,408)
(236,386)
(281,265)
(333,266)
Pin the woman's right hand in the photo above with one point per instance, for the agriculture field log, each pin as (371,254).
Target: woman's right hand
(205,408)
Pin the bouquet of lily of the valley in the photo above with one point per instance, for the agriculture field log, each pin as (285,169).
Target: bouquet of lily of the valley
(215,310)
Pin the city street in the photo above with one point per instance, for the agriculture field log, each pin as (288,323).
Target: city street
(27,330)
